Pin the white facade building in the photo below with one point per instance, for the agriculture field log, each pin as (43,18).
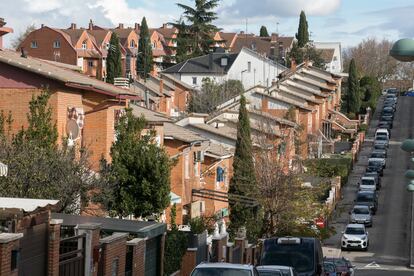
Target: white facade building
(335,65)
(247,66)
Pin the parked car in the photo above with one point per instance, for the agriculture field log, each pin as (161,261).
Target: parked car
(329,268)
(368,183)
(343,266)
(223,269)
(270,270)
(389,119)
(391,96)
(367,198)
(303,254)
(388,110)
(380,146)
(376,176)
(390,103)
(361,214)
(392,91)
(410,93)
(382,140)
(382,132)
(375,165)
(355,236)
(380,154)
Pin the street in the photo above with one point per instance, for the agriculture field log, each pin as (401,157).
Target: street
(388,252)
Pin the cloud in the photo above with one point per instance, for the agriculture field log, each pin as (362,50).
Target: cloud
(280,8)
(60,13)
(397,19)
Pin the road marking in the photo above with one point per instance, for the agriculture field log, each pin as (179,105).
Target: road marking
(373,265)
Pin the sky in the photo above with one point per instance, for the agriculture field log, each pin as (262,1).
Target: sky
(345,21)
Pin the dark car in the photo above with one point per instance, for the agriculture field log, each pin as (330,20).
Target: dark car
(303,254)
(368,198)
(387,118)
(343,266)
(388,110)
(375,165)
(390,103)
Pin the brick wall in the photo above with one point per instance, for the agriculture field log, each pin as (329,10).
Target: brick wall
(138,253)
(8,242)
(114,251)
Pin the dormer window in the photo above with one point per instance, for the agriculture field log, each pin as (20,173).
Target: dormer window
(56,44)
(154,45)
(132,44)
(33,44)
(224,62)
(84,45)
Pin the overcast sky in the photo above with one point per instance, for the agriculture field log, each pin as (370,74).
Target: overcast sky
(346,21)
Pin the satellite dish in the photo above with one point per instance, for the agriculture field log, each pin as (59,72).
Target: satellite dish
(72,129)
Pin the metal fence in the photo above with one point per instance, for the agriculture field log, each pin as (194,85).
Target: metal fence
(72,256)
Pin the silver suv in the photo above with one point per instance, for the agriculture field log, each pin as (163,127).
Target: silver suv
(355,236)
(361,214)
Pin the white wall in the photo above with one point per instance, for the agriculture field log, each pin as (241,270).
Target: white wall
(336,65)
(262,71)
(188,79)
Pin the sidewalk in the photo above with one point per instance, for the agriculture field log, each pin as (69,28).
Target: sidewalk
(340,216)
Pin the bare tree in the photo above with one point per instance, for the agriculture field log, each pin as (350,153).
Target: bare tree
(22,36)
(372,58)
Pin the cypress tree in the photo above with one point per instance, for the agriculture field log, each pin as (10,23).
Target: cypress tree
(244,178)
(113,60)
(353,97)
(303,33)
(144,60)
(263,32)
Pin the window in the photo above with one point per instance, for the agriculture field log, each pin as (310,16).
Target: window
(249,66)
(220,174)
(15,256)
(335,58)
(132,44)
(224,61)
(33,44)
(115,267)
(194,80)
(154,45)
(56,44)
(84,45)
(90,63)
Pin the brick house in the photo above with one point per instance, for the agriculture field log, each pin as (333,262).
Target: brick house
(84,108)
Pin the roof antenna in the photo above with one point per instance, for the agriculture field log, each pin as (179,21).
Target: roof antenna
(23,53)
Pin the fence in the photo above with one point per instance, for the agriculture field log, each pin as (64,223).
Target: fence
(72,256)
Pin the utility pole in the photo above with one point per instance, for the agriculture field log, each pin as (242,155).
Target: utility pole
(277,28)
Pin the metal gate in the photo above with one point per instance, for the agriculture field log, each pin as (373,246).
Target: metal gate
(129,260)
(72,256)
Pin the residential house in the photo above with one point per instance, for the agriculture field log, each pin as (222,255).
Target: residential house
(3,31)
(84,109)
(128,39)
(246,66)
(331,52)
(170,35)
(225,40)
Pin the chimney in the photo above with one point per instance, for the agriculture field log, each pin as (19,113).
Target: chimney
(90,25)
(73,26)
(23,53)
(210,61)
(293,65)
(274,82)
(2,23)
(274,37)
(137,27)
(242,32)
(4,31)
(164,26)
(121,26)
(41,26)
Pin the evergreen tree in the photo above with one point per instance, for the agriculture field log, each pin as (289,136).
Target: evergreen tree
(263,32)
(353,97)
(138,182)
(183,41)
(113,60)
(201,29)
(144,60)
(303,33)
(243,181)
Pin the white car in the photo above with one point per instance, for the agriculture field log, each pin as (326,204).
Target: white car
(267,270)
(382,132)
(355,236)
(368,183)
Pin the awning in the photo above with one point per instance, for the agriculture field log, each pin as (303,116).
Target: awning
(175,199)
(3,169)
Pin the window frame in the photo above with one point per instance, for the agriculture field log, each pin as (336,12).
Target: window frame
(33,44)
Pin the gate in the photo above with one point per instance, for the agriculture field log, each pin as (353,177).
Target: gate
(72,256)
(129,260)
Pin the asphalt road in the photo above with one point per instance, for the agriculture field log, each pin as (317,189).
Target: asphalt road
(390,235)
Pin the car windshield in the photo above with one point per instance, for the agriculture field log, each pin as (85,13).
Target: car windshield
(367,182)
(377,155)
(361,211)
(269,272)
(354,231)
(365,197)
(299,256)
(220,271)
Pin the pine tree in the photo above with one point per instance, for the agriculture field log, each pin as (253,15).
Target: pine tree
(113,60)
(144,60)
(243,181)
(303,33)
(353,97)
(140,170)
(183,41)
(263,32)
